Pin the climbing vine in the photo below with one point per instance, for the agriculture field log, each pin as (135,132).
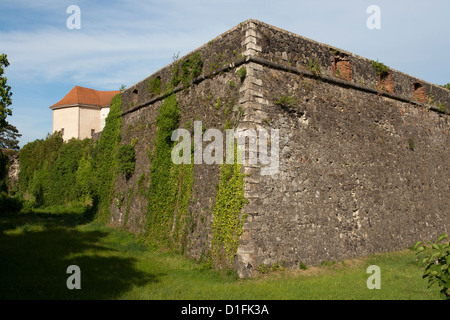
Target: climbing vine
(170,185)
(127,159)
(104,160)
(227,220)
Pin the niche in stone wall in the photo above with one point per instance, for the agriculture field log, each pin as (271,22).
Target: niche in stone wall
(134,96)
(385,82)
(341,66)
(419,92)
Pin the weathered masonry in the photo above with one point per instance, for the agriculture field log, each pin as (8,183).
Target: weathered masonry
(364,162)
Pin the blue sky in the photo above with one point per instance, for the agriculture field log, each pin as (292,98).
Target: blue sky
(123,42)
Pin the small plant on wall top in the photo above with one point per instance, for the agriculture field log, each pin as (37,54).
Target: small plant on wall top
(446,86)
(191,68)
(154,86)
(380,68)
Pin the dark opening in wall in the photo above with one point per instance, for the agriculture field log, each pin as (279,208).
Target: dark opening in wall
(92,132)
(419,92)
(134,97)
(342,67)
(385,82)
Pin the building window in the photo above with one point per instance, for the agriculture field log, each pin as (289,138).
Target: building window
(62,131)
(92,132)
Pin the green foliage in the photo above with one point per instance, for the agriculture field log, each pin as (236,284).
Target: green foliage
(380,68)
(134,141)
(104,160)
(274,267)
(446,86)
(154,86)
(411,144)
(53,172)
(4,163)
(170,185)
(62,176)
(140,183)
(326,263)
(126,159)
(303,266)
(442,108)
(175,81)
(314,66)
(227,219)
(49,170)
(10,204)
(262,268)
(286,101)
(9,137)
(218,103)
(436,260)
(228,124)
(84,176)
(36,159)
(191,68)
(5,92)
(242,73)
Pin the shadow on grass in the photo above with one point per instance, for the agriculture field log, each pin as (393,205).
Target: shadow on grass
(36,249)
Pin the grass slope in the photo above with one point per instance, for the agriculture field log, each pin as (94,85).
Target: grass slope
(37,247)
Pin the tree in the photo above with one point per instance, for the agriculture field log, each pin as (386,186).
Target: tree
(9,137)
(5,92)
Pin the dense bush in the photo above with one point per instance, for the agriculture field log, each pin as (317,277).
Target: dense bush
(3,172)
(54,172)
(48,170)
(10,204)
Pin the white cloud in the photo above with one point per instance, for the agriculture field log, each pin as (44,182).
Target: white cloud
(52,54)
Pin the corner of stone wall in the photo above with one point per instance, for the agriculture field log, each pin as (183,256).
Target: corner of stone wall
(252,102)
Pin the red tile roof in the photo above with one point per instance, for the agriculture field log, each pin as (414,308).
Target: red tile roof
(85,96)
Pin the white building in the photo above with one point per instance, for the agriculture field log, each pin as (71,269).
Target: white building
(82,112)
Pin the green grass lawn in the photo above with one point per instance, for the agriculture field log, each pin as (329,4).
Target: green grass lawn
(36,248)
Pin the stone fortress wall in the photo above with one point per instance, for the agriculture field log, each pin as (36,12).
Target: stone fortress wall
(364,162)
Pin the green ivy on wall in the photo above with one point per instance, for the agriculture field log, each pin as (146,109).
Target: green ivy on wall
(127,159)
(227,219)
(104,160)
(170,185)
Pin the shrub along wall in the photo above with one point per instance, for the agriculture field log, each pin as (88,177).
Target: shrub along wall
(54,172)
